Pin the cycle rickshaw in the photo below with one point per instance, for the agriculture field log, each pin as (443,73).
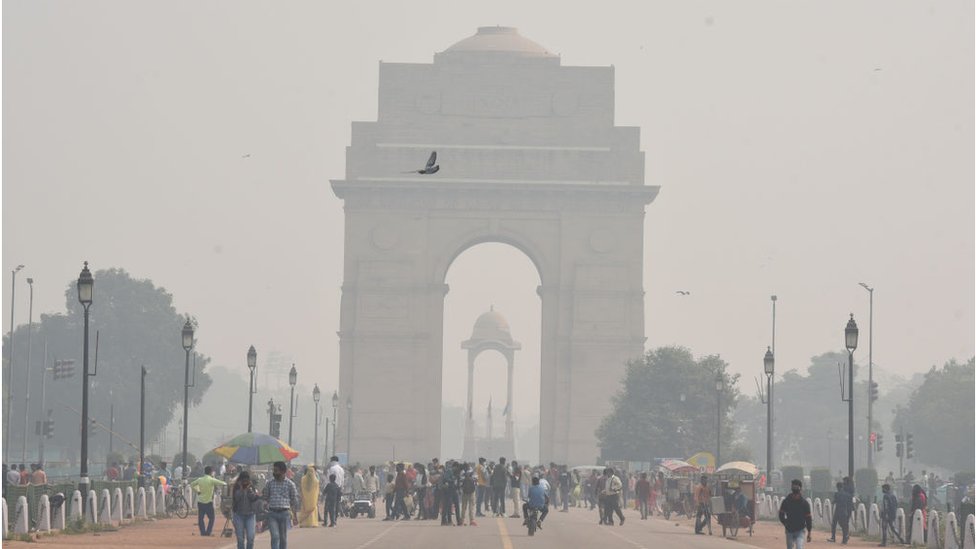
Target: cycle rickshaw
(734,503)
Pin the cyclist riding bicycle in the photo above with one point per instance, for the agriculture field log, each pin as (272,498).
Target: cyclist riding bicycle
(538,500)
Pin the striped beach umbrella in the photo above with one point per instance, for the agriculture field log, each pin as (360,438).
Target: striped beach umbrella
(255,449)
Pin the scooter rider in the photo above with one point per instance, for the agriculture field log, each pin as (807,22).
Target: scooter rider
(538,500)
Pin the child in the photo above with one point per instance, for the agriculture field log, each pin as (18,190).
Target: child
(332,494)
(388,496)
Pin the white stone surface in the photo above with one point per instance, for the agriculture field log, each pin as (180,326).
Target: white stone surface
(140,510)
(874,524)
(58,515)
(951,531)
(117,505)
(129,512)
(75,505)
(5,517)
(969,535)
(933,538)
(160,500)
(44,514)
(530,157)
(22,517)
(861,515)
(105,510)
(900,524)
(918,528)
(92,507)
(828,512)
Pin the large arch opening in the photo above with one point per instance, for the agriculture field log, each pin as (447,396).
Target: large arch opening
(483,277)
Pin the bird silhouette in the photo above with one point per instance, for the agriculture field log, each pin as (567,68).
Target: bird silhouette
(430,168)
(683,292)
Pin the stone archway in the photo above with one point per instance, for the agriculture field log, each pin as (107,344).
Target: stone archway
(530,158)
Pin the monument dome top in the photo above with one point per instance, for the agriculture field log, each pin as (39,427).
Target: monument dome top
(499,40)
(491,326)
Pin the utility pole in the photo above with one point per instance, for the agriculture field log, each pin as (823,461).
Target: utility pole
(870,371)
(27,381)
(10,366)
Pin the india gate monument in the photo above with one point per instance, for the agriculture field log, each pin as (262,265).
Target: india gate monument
(528,156)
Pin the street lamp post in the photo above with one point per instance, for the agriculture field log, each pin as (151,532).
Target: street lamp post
(252,364)
(187,346)
(870,371)
(719,383)
(348,428)
(335,407)
(316,396)
(142,426)
(30,328)
(86,286)
(292,380)
(10,366)
(769,367)
(850,341)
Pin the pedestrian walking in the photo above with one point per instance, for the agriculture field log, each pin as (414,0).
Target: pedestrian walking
(332,494)
(703,514)
(469,487)
(794,514)
(499,480)
(205,486)
(244,506)
(481,477)
(613,493)
(282,497)
(843,505)
(643,492)
(889,511)
(516,486)
(310,498)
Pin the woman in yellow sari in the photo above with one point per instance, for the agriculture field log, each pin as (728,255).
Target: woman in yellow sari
(309,516)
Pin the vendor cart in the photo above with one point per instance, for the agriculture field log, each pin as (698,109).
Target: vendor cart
(734,504)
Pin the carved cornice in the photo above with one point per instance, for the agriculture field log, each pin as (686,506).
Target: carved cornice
(445,195)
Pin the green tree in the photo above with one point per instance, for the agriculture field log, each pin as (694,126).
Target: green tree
(939,415)
(136,325)
(667,407)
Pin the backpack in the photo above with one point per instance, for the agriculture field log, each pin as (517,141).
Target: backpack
(468,485)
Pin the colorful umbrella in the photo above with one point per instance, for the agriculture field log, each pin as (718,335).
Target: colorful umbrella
(255,449)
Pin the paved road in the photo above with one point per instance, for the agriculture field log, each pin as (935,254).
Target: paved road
(577,528)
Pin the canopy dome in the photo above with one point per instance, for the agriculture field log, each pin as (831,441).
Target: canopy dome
(504,40)
(491,326)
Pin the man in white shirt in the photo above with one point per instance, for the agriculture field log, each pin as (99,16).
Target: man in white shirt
(338,471)
(13,477)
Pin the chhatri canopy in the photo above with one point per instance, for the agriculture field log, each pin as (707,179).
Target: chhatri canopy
(255,449)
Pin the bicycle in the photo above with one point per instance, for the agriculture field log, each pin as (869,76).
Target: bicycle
(176,502)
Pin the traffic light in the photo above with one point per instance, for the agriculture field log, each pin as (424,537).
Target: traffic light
(909,446)
(878,442)
(276,426)
(49,428)
(874,391)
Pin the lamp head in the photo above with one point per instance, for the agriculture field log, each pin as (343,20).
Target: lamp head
(30,281)
(335,399)
(348,404)
(252,358)
(292,376)
(316,394)
(187,335)
(769,362)
(86,286)
(850,335)
(719,382)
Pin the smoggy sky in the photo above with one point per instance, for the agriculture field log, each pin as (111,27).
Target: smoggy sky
(801,148)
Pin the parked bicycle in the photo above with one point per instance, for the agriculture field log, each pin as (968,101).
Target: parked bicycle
(176,502)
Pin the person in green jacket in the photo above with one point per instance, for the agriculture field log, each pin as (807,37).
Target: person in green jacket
(205,486)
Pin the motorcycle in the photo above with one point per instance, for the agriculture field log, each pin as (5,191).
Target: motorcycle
(532,520)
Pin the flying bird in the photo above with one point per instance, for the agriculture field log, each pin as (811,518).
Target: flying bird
(248,155)
(430,168)
(683,292)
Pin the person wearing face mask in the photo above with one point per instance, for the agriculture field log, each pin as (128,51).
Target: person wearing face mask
(795,515)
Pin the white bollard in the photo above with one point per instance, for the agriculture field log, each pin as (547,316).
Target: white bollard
(150,502)
(817,511)
(105,511)
(862,518)
(75,509)
(969,535)
(129,512)
(21,520)
(933,541)
(44,514)
(160,502)
(951,531)
(57,516)
(92,515)
(874,525)
(5,524)
(117,506)
(918,528)
(828,513)
(140,511)
(900,522)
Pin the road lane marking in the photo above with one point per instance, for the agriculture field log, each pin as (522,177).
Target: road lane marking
(506,541)
(378,536)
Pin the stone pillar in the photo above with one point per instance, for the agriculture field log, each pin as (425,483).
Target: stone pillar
(58,516)
(874,524)
(933,538)
(951,531)
(22,520)
(969,535)
(75,511)
(91,505)
(900,522)
(44,514)
(128,512)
